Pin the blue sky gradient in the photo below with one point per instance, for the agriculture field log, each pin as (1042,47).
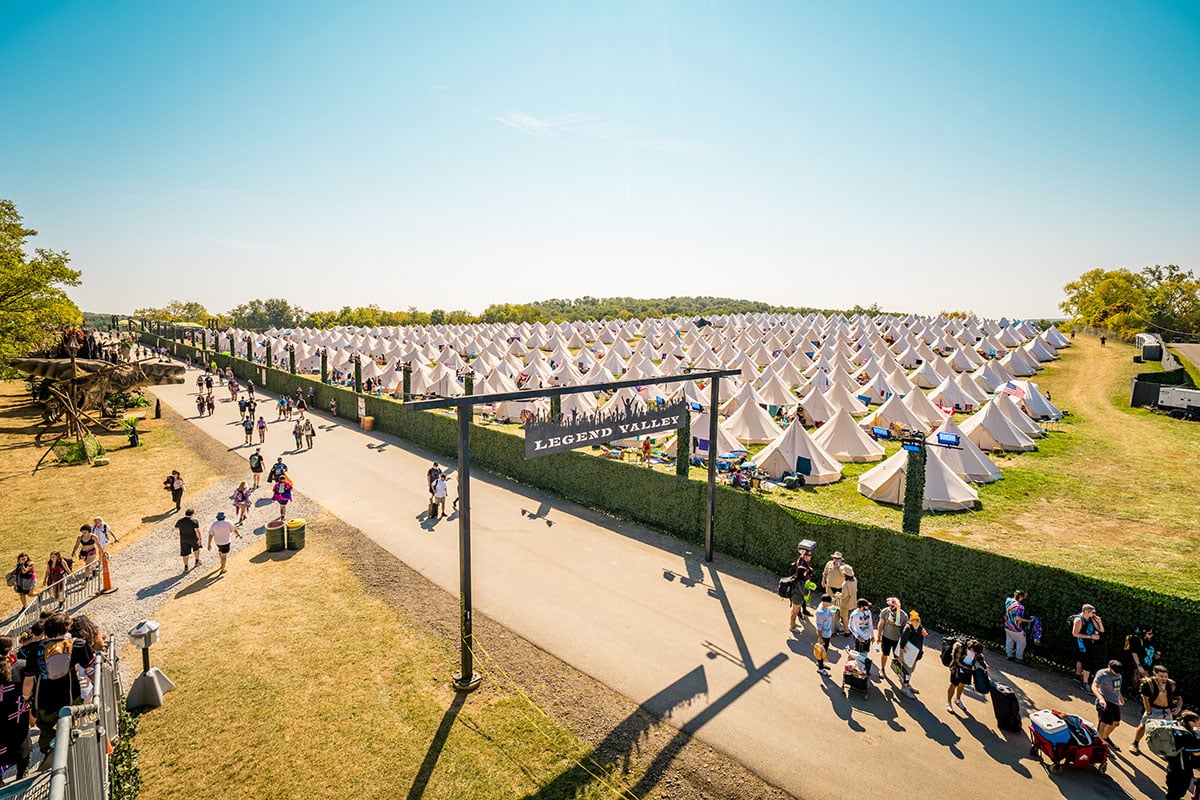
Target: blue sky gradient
(921,156)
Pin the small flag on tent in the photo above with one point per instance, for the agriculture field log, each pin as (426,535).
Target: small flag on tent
(1014,390)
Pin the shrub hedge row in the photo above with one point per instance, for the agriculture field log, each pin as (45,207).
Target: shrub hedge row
(954,587)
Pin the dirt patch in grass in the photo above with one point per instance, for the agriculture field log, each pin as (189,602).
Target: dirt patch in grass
(42,511)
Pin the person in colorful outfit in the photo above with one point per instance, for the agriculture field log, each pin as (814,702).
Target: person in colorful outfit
(1014,626)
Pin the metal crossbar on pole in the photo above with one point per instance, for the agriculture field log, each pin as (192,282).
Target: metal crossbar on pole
(467,679)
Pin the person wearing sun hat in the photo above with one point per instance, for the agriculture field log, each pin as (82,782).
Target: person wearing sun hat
(913,634)
(831,576)
(847,598)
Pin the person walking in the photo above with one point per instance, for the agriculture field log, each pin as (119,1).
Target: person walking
(1181,768)
(298,434)
(51,680)
(802,570)
(242,408)
(1106,687)
(23,579)
(912,637)
(823,621)
(309,433)
(262,430)
(189,538)
(847,598)
(103,532)
(241,502)
(892,620)
(282,494)
(280,408)
(200,405)
(256,465)
(1086,627)
(222,532)
(862,626)
(278,470)
(1161,699)
(88,547)
(248,429)
(174,484)
(210,402)
(301,405)
(965,658)
(1014,626)
(56,576)
(14,715)
(1140,656)
(439,496)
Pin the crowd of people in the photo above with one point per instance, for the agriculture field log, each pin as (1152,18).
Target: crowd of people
(51,665)
(1139,674)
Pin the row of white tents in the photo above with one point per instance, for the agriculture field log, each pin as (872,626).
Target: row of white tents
(846,377)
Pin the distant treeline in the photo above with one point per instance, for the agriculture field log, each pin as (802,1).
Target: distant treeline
(279,313)
(1158,299)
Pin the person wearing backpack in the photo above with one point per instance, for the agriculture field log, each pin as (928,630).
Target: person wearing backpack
(1086,627)
(1014,626)
(802,571)
(1161,699)
(51,681)
(256,466)
(1140,655)
(1181,767)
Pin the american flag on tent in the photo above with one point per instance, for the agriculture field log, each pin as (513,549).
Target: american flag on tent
(1014,390)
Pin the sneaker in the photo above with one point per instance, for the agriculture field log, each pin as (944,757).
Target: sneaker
(950,708)
(908,692)
(1136,750)
(824,671)
(960,704)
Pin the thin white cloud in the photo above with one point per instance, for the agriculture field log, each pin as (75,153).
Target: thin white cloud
(437,87)
(595,127)
(267,248)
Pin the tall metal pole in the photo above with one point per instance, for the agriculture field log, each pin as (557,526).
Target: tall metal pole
(710,519)
(467,678)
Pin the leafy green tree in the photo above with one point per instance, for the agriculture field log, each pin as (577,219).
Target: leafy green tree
(1164,299)
(34,307)
(262,314)
(176,311)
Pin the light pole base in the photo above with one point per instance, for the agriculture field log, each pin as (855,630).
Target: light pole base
(469,685)
(148,690)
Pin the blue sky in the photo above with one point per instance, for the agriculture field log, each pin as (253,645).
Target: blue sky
(450,155)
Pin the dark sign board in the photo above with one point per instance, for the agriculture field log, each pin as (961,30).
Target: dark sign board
(546,436)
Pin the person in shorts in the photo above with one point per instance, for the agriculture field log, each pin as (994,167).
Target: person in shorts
(222,532)
(891,624)
(965,659)
(1086,628)
(189,538)
(1106,686)
(256,466)
(1161,699)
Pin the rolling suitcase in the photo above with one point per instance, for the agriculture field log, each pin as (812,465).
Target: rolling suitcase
(1006,707)
(432,508)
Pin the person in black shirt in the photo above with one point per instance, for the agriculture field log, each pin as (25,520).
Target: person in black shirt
(47,684)
(189,538)
(14,715)
(1181,768)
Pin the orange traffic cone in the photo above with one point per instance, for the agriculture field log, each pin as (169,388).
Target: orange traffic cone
(107,587)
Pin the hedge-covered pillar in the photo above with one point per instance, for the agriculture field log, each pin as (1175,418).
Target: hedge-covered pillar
(406,371)
(469,382)
(358,373)
(267,355)
(324,365)
(292,358)
(683,446)
(556,406)
(250,349)
(914,490)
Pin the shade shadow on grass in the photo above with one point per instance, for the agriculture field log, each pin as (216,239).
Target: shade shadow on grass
(278,555)
(199,585)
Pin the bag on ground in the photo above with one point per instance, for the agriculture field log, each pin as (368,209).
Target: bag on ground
(1006,706)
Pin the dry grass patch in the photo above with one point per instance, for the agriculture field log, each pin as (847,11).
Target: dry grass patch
(294,681)
(42,512)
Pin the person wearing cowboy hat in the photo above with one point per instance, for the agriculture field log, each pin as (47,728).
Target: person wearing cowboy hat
(831,576)
(847,598)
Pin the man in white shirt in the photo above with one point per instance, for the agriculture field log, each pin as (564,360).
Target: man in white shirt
(439,494)
(103,532)
(222,531)
(862,626)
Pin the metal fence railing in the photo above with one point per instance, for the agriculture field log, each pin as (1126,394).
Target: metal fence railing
(83,742)
(71,591)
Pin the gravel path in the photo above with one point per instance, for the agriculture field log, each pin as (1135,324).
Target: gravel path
(149,572)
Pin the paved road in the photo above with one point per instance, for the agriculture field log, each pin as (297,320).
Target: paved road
(705,645)
(1189,351)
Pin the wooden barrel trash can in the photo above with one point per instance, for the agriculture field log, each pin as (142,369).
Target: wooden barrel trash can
(275,536)
(295,534)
